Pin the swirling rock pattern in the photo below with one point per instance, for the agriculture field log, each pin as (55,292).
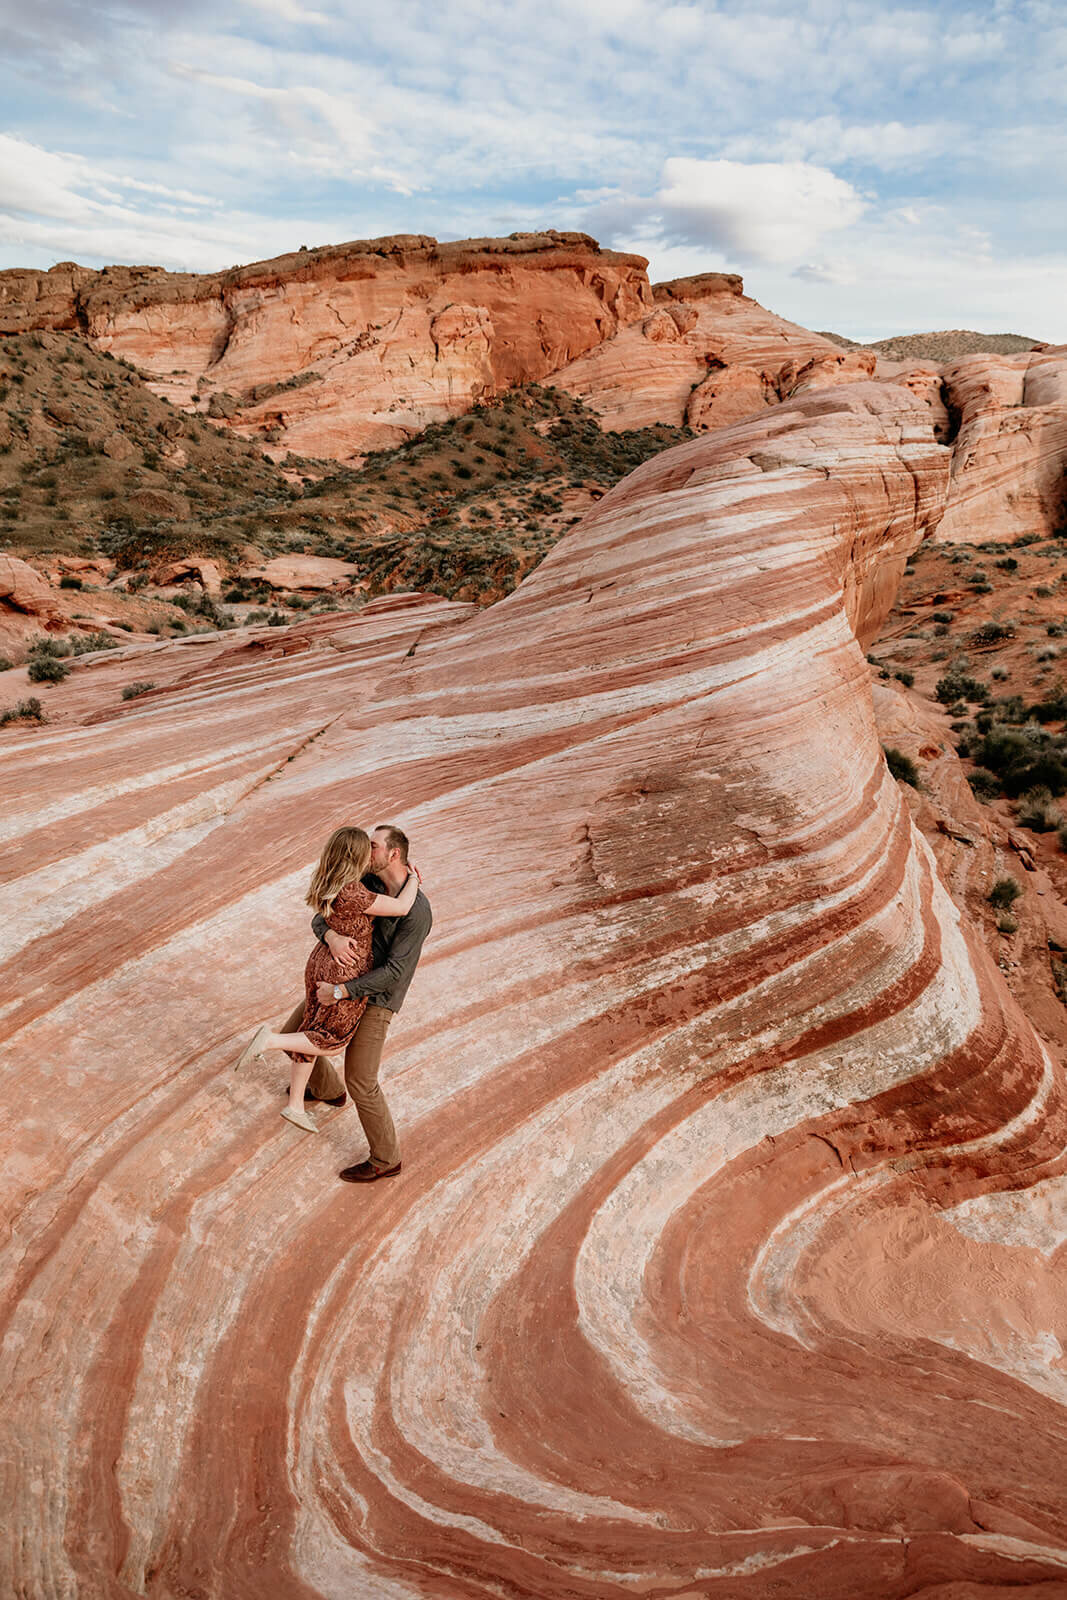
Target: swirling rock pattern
(724,1257)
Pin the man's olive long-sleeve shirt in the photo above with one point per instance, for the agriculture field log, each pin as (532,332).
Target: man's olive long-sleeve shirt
(396,944)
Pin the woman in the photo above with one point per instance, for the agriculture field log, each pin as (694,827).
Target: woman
(337,894)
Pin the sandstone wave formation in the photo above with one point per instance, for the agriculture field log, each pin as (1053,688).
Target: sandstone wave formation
(334,351)
(727,1258)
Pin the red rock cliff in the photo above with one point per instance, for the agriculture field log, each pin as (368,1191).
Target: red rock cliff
(335,351)
(351,347)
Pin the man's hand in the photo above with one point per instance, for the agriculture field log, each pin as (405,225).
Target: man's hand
(325,994)
(341,948)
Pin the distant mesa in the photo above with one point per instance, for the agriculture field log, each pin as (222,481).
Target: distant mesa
(947,345)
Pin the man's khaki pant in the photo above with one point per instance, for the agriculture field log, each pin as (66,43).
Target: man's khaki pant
(362,1060)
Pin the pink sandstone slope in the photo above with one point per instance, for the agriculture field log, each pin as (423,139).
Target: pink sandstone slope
(727,1257)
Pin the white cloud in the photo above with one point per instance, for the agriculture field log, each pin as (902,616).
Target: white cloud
(289,11)
(752,211)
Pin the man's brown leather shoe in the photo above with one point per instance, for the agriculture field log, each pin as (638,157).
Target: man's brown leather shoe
(366,1172)
(313,1099)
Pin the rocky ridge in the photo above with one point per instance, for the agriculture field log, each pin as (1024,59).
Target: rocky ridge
(335,351)
(727,1255)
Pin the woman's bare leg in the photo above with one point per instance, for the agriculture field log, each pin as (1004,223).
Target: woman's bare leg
(299,1073)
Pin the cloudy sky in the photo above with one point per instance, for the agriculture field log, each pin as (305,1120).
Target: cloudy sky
(869,167)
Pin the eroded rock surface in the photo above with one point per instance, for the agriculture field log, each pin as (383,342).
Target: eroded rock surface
(727,1255)
(707,357)
(335,351)
(1008,470)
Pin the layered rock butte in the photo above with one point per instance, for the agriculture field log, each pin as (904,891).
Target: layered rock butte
(727,1257)
(334,351)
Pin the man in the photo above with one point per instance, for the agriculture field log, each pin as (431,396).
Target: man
(397,945)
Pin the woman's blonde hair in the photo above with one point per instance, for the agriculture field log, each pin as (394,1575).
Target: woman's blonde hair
(344,860)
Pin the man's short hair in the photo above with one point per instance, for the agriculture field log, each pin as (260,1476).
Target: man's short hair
(394,839)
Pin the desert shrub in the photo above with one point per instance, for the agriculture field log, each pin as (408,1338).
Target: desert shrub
(47,669)
(1024,759)
(1061,834)
(986,784)
(234,597)
(905,677)
(132,690)
(43,645)
(1059,977)
(944,617)
(83,644)
(901,766)
(956,685)
(29,710)
(999,674)
(1004,893)
(1006,923)
(1052,709)
(277,619)
(1012,708)
(1007,564)
(1043,591)
(68,581)
(993,633)
(1055,630)
(1037,812)
(984,721)
(5,664)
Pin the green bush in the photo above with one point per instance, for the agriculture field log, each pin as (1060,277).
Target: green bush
(68,581)
(1004,893)
(45,646)
(956,685)
(132,690)
(1007,564)
(26,711)
(905,677)
(1054,709)
(1037,812)
(985,784)
(1024,759)
(901,766)
(993,633)
(944,617)
(5,664)
(83,644)
(47,669)
(1006,923)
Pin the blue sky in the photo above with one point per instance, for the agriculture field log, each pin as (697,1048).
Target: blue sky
(869,167)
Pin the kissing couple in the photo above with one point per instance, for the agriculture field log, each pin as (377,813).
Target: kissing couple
(371,921)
